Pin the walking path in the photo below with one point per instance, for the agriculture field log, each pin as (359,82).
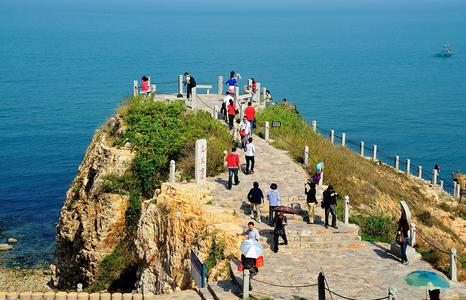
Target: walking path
(353,268)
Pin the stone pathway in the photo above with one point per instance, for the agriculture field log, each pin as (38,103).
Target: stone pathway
(353,268)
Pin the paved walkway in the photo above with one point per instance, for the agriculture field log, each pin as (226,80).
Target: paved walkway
(353,268)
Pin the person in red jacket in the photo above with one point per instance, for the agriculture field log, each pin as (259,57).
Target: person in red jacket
(250,113)
(231,109)
(233,166)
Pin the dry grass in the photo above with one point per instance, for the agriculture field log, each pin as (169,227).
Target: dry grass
(373,188)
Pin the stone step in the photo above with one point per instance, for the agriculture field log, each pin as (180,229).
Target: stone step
(224,289)
(321,245)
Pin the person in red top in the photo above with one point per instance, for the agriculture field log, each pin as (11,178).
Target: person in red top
(145,84)
(231,108)
(233,166)
(250,112)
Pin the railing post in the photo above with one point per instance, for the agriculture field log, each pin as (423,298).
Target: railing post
(220,85)
(314,125)
(257,94)
(343,139)
(241,112)
(266,131)
(236,94)
(419,172)
(215,112)
(193,98)
(361,149)
(455,184)
(434,176)
(408,166)
(321,286)
(346,211)
(180,85)
(392,293)
(135,88)
(264,94)
(245,284)
(332,136)
(458,190)
(412,233)
(152,90)
(397,162)
(374,153)
(453,270)
(306,156)
(441,184)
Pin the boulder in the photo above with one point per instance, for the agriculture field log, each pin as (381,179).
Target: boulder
(5,247)
(12,241)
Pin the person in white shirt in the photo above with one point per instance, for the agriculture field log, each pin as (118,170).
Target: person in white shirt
(226,100)
(244,132)
(250,151)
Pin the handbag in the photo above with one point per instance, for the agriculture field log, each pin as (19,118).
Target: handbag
(240,267)
(260,262)
(399,238)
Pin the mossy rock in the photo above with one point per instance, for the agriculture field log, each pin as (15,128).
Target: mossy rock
(5,247)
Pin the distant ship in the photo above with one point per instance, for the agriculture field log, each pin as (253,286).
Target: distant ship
(447,51)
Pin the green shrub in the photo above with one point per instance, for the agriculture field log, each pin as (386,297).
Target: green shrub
(376,228)
(215,255)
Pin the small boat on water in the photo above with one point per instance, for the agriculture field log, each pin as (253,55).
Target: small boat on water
(447,51)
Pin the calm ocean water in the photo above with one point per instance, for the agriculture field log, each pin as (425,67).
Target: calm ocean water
(372,74)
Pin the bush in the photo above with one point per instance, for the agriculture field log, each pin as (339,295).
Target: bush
(376,228)
(426,218)
(215,255)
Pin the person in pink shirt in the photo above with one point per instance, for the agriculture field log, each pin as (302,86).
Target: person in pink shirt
(145,84)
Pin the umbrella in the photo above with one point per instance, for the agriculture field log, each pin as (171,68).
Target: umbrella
(251,248)
(427,280)
(285,209)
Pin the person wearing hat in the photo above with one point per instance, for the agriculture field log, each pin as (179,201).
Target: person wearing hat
(329,204)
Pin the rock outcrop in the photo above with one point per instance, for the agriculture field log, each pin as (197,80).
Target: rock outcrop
(181,219)
(91,221)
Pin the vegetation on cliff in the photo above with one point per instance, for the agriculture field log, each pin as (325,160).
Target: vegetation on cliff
(157,132)
(375,189)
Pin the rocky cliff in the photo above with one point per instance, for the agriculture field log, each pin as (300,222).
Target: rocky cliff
(91,221)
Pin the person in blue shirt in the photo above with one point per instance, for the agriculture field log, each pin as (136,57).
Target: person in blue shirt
(231,84)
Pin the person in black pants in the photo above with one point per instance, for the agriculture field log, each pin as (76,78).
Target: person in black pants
(329,204)
(279,230)
(189,82)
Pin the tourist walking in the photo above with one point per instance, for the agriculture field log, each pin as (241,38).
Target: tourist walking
(145,88)
(403,238)
(329,204)
(190,83)
(232,111)
(250,113)
(251,232)
(233,166)
(250,150)
(274,201)
(256,197)
(311,200)
(279,230)
(244,132)
(225,103)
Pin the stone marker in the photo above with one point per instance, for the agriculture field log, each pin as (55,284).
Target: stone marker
(201,161)
(361,148)
(245,284)
(408,166)
(332,136)
(257,95)
(397,163)
(412,231)
(343,139)
(267,131)
(346,211)
(180,85)
(314,125)
(419,171)
(374,153)
(135,88)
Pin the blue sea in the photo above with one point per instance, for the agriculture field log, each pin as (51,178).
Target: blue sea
(370,71)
